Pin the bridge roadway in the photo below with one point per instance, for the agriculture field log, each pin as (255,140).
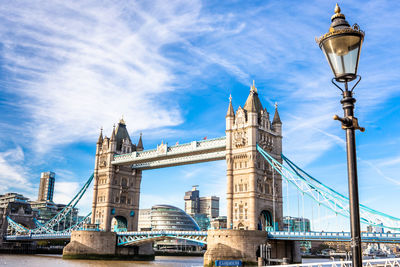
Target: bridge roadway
(168,156)
(130,238)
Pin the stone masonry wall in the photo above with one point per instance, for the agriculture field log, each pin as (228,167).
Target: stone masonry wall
(233,245)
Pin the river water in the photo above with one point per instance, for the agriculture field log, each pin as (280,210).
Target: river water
(58,261)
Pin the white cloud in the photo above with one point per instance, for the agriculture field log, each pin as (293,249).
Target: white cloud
(380,172)
(64,191)
(12,175)
(85,67)
(79,66)
(392,161)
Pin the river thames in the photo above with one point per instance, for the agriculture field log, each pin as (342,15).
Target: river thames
(56,260)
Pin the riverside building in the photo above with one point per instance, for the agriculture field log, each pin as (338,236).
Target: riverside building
(202,209)
(168,218)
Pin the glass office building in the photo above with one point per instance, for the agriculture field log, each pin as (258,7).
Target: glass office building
(166,217)
(169,218)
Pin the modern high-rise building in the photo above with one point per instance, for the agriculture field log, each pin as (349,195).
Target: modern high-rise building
(46,187)
(202,209)
(192,201)
(210,206)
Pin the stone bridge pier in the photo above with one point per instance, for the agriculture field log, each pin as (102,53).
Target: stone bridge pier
(244,245)
(89,244)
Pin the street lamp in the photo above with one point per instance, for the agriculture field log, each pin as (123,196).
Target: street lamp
(342,46)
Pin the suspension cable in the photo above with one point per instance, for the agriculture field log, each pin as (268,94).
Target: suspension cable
(288,206)
(302,200)
(326,196)
(273,198)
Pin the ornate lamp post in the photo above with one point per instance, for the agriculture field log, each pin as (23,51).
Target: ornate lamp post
(342,46)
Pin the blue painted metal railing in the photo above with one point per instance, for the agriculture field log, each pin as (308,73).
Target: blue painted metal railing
(335,236)
(131,238)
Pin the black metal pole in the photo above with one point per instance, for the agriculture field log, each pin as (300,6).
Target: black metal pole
(348,107)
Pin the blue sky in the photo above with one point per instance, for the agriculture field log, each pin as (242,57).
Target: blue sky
(67,69)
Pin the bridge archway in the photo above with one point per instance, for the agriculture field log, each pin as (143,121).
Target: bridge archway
(265,221)
(119,224)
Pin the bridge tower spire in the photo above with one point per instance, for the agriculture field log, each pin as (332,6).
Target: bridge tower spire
(254,192)
(116,189)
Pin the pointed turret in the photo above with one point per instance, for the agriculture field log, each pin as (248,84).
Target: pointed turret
(113,142)
(100,141)
(121,133)
(253,103)
(276,119)
(139,146)
(112,139)
(253,87)
(231,112)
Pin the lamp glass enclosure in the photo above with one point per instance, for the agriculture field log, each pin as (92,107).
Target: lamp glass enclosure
(343,52)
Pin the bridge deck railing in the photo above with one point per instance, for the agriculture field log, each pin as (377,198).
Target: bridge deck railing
(193,233)
(333,234)
(373,262)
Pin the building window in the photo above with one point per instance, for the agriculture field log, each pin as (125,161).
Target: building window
(240,212)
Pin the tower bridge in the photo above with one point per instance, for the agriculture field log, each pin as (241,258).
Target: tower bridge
(254,194)
(168,156)
(252,149)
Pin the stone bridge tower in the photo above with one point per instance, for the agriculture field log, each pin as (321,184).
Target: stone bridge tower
(116,189)
(254,189)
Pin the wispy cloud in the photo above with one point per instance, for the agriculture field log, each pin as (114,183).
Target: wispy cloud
(12,174)
(84,67)
(379,171)
(70,68)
